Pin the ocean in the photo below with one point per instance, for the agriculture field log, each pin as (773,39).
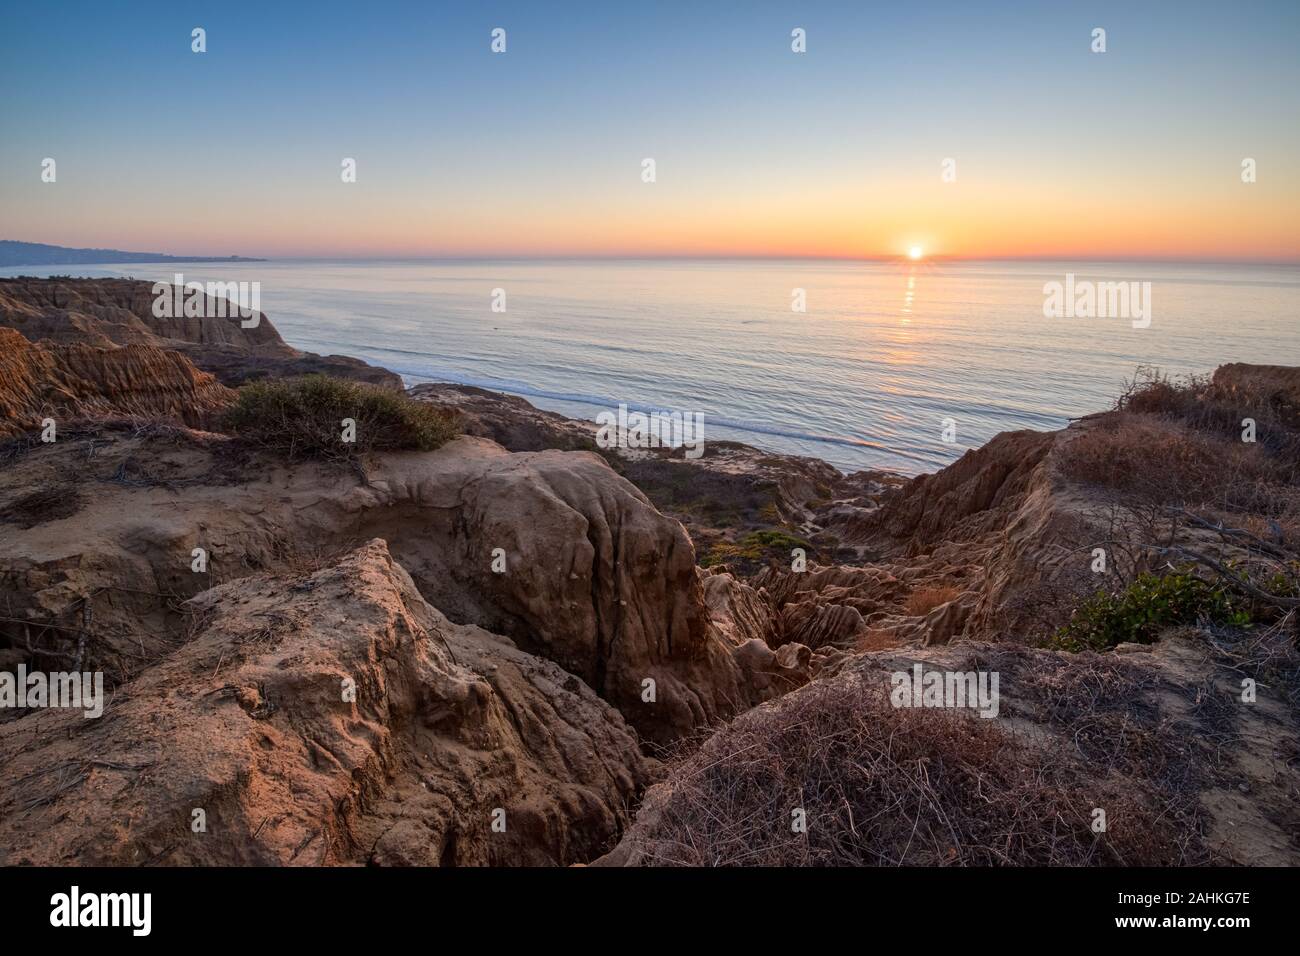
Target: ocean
(894,365)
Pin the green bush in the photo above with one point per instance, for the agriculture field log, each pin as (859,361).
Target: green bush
(1148,605)
(303,417)
(753,550)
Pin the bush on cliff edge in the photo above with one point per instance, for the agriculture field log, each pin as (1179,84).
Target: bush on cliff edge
(1146,607)
(304,418)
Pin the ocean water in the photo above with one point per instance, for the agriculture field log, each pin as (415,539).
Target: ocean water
(866,377)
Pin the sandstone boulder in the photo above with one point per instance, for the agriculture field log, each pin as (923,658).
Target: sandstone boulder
(324,718)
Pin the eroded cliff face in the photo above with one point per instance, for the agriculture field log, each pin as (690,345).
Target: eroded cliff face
(1173,739)
(108,313)
(66,382)
(729,490)
(980,550)
(537,692)
(982,534)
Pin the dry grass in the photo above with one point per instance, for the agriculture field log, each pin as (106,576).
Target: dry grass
(1179,442)
(1197,402)
(886,786)
(1269,655)
(878,639)
(1160,461)
(924,600)
(297,559)
(1173,453)
(1107,705)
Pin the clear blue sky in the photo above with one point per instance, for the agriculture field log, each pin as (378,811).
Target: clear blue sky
(758,150)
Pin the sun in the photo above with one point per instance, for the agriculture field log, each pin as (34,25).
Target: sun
(915,252)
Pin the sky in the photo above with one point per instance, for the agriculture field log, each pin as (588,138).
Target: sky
(1059,152)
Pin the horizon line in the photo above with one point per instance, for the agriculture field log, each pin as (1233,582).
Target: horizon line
(937,258)
(740,257)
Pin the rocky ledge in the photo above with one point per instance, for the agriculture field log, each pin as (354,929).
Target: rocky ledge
(108,313)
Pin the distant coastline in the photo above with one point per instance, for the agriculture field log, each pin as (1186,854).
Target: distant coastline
(14,253)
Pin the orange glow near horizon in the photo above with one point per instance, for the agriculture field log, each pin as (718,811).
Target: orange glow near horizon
(997,220)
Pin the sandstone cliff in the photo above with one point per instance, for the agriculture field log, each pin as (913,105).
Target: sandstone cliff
(550,549)
(118,312)
(65,382)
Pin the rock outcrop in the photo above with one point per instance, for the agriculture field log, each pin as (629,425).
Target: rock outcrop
(990,527)
(969,497)
(551,549)
(117,312)
(331,717)
(510,421)
(66,382)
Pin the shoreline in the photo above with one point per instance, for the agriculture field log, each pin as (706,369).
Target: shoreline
(531,396)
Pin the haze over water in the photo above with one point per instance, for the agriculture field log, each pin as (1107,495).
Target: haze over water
(885,352)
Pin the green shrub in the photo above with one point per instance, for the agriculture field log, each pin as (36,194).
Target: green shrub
(1148,605)
(303,417)
(753,550)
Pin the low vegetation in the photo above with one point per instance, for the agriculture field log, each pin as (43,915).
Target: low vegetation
(755,550)
(1196,401)
(1180,442)
(879,785)
(1150,604)
(1205,521)
(305,418)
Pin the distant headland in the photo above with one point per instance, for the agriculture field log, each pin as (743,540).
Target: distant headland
(14,253)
